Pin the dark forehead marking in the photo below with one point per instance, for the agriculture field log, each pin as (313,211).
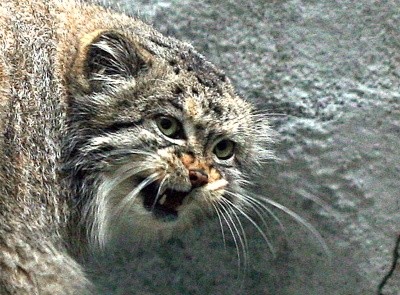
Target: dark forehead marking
(217,108)
(177,102)
(213,105)
(206,73)
(182,57)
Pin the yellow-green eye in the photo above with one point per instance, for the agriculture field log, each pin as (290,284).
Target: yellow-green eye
(169,126)
(224,149)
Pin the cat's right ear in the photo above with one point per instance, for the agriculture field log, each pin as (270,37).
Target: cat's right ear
(105,58)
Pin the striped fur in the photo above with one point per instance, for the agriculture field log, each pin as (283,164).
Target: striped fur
(81,90)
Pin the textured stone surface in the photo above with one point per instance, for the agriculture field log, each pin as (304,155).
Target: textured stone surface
(329,71)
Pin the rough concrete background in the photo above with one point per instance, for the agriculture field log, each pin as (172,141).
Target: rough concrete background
(330,72)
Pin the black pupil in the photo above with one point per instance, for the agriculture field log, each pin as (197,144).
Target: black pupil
(166,123)
(223,145)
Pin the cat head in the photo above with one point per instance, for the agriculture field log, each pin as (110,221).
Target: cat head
(158,137)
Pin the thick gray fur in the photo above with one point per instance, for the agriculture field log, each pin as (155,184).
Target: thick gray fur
(80,90)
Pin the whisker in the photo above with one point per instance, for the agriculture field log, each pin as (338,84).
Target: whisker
(255,203)
(263,113)
(125,152)
(316,200)
(100,208)
(122,174)
(129,199)
(242,243)
(160,187)
(257,209)
(270,246)
(220,223)
(301,221)
(223,209)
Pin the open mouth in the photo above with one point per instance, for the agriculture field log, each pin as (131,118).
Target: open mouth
(166,205)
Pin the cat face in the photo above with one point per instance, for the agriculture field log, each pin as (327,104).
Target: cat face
(159,137)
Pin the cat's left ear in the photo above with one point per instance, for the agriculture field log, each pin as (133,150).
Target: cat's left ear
(107,57)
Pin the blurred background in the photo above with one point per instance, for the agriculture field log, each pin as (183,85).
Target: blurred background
(329,74)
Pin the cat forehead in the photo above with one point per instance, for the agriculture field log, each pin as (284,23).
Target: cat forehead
(183,59)
(196,86)
(203,107)
(184,96)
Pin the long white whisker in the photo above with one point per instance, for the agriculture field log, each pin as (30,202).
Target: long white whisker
(242,243)
(132,152)
(127,201)
(254,207)
(316,200)
(100,208)
(301,221)
(257,210)
(160,187)
(271,248)
(220,223)
(223,209)
(256,203)
(264,207)
(122,174)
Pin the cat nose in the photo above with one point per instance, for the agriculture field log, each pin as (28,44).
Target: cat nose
(198,177)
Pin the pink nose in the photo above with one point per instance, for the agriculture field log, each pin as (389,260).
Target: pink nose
(198,178)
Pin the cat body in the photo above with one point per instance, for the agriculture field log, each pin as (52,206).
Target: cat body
(107,124)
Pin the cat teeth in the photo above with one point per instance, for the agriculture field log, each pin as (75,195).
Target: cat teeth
(163,199)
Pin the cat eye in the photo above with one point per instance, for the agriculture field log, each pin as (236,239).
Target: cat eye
(224,149)
(170,127)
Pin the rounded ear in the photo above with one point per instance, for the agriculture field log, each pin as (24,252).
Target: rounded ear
(107,57)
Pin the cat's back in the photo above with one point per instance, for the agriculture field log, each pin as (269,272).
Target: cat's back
(27,61)
(37,43)
(27,32)
(31,108)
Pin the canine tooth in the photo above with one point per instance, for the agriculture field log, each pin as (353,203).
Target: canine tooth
(163,199)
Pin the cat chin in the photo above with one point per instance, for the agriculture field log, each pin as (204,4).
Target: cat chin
(140,226)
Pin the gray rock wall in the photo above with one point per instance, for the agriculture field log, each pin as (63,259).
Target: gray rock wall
(329,74)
